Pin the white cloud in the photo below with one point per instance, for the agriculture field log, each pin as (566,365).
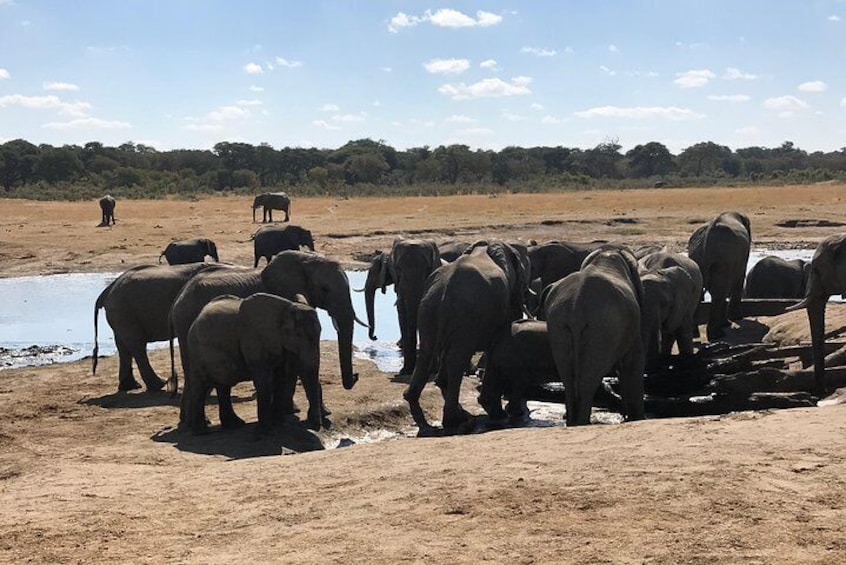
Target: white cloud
(833,18)
(447,66)
(552,120)
(245,103)
(607,71)
(256,88)
(691,46)
(460,119)
(536,106)
(489,64)
(613,48)
(253,69)
(49,102)
(569,50)
(813,86)
(225,113)
(330,108)
(747,130)
(91,123)
(282,62)
(785,103)
(4,74)
(386,69)
(60,86)
(843,102)
(487,88)
(694,78)
(376,103)
(476,131)
(733,73)
(445,17)
(349,117)
(512,117)
(672,113)
(325,125)
(729,97)
(538,51)
(647,74)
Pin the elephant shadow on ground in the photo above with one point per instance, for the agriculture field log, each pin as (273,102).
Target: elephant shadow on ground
(245,442)
(102,225)
(747,330)
(142,399)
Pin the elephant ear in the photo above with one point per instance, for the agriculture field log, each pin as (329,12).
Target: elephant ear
(696,242)
(633,273)
(744,219)
(385,275)
(435,259)
(509,259)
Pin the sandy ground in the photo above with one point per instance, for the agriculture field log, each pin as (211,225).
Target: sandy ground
(90,475)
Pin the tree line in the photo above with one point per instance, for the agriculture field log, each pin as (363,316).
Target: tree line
(366,166)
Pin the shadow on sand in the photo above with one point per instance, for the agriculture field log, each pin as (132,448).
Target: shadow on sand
(144,399)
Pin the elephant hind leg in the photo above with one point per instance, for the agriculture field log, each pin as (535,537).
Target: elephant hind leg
(148,375)
(126,381)
(415,388)
(734,300)
(630,369)
(718,319)
(454,362)
(229,420)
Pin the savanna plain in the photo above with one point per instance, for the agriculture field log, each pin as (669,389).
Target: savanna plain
(90,475)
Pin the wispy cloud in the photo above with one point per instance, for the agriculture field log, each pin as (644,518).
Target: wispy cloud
(460,119)
(445,17)
(512,117)
(253,69)
(613,48)
(785,103)
(247,103)
(330,108)
(490,64)
(694,79)
(487,88)
(733,73)
(476,131)
(4,74)
(360,117)
(536,106)
(538,51)
(323,124)
(552,120)
(88,123)
(729,97)
(60,86)
(672,113)
(607,71)
(833,18)
(691,46)
(49,102)
(282,62)
(255,88)
(447,66)
(813,86)
(747,130)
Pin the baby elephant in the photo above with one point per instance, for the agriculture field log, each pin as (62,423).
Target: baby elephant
(107,207)
(774,277)
(518,358)
(265,338)
(189,251)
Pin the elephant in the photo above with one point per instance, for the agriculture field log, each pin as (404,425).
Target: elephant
(827,277)
(270,201)
(137,305)
(270,240)
(721,249)
(554,260)
(774,277)
(408,265)
(263,337)
(670,300)
(452,250)
(189,251)
(464,304)
(594,325)
(519,356)
(107,207)
(321,280)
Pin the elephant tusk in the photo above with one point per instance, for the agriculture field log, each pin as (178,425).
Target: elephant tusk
(359,290)
(799,305)
(532,292)
(360,323)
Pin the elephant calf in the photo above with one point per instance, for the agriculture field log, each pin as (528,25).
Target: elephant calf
(189,251)
(107,207)
(265,338)
(519,357)
(270,240)
(774,277)
(670,299)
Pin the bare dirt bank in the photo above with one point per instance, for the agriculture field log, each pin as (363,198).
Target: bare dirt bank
(89,475)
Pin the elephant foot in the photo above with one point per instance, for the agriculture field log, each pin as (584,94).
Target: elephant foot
(517,410)
(232,422)
(715,333)
(406,371)
(455,418)
(132,384)
(154,385)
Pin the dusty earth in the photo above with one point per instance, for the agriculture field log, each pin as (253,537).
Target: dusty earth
(90,475)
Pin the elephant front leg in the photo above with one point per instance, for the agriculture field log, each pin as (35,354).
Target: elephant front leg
(263,381)
(148,375)
(631,384)
(734,300)
(717,319)
(816,320)
(229,420)
(408,339)
(126,381)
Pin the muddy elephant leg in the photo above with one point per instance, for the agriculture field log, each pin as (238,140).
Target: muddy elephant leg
(717,319)
(816,320)
(631,384)
(734,300)
(229,420)
(126,381)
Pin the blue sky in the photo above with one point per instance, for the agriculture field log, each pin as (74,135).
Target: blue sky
(190,73)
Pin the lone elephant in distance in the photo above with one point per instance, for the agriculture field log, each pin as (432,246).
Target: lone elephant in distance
(189,251)
(107,208)
(270,201)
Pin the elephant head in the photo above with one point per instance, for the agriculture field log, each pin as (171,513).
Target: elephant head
(275,330)
(379,276)
(306,239)
(258,202)
(324,284)
(211,249)
(666,303)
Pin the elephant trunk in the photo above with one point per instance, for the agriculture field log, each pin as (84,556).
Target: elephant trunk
(816,320)
(345,337)
(370,286)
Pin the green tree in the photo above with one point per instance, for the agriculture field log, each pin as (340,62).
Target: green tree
(649,160)
(705,157)
(17,162)
(58,164)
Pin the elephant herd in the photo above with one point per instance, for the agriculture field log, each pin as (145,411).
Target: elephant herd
(560,311)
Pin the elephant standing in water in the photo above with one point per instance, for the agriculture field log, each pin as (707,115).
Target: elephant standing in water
(721,249)
(408,265)
(594,325)
(774,277)
(270,201)
(137,305)
(263,337)
(107,207)
(189,251)
(270,240)
(827,277)
(464,305)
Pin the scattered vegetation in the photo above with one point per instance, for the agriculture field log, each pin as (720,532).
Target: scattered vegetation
(365,167)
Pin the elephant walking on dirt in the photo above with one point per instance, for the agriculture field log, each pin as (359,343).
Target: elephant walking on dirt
(594,325)
(408,265)
(189,251)
(464,305)
(270,201)
(774,277)
(137,305)
(827,277)
(270,240)
(721,249)
(265,338)
(107,208)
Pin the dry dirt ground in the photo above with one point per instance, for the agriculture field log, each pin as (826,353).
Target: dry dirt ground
(90,475)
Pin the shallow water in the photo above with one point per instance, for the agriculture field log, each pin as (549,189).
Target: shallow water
(55,314)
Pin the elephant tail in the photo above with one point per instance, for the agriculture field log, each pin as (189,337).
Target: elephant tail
(99,303)
(160,257)
(799,305)
(172,384)
(575,335)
